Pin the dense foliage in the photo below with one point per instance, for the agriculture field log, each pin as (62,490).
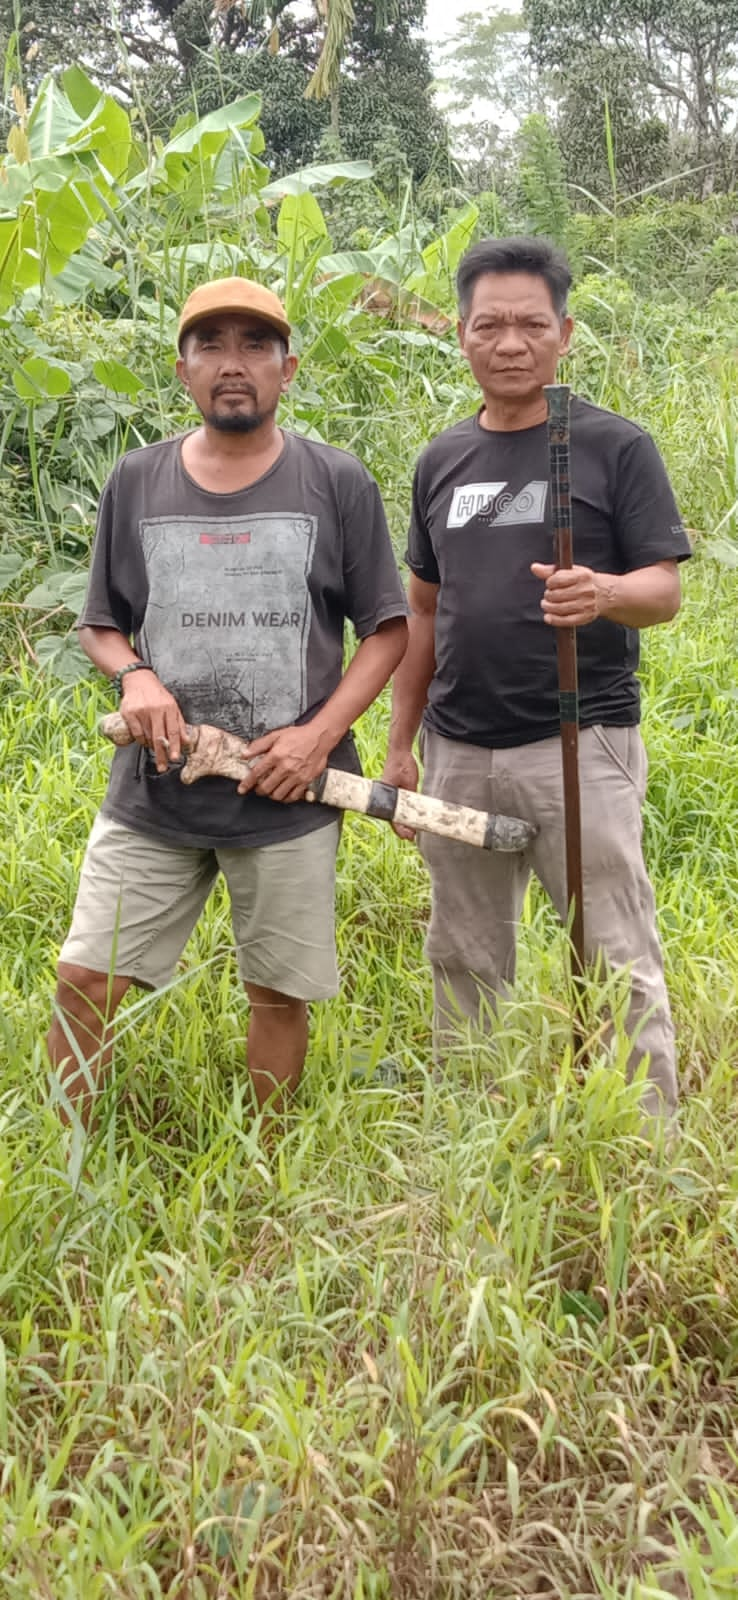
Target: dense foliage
(467,1334)
(362,69)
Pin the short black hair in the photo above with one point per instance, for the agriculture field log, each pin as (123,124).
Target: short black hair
(520,253)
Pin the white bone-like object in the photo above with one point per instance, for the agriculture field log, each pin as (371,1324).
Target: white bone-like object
(213,753)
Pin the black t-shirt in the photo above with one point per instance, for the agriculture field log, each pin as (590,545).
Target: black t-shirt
(481,515)
(238,601)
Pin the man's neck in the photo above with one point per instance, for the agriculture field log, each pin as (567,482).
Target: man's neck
(509,416)
(223,462)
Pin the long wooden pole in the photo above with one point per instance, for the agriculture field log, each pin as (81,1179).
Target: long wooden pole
(558,397)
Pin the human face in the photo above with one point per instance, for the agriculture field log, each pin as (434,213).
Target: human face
(236,369)
(512,337)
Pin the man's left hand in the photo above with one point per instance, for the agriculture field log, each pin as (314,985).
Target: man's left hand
(289,759)
(573,596)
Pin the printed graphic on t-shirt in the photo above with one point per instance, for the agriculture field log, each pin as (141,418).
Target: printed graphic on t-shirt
(228,616)
(496,505)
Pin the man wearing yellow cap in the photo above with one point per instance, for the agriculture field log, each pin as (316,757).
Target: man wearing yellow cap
(225,564)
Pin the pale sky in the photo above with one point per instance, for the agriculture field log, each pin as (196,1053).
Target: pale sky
(441,24)
(442,16)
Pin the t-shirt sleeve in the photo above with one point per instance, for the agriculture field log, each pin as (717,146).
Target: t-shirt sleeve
(104,606)
(373,590)
(420,555)
(648,525)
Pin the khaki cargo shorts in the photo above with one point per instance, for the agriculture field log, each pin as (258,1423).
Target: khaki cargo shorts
(139,899)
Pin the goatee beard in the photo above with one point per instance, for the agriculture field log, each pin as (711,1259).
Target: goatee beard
(236,422)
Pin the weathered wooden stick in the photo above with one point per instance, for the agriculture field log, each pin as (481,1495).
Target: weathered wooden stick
(211,753)
(558,397)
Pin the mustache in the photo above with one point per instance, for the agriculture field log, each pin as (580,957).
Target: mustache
(234,388)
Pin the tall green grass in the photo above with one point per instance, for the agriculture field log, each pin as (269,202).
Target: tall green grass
(471,1334)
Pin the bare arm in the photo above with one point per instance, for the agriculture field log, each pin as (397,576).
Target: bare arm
(413,677)
(410,689)
(290,758)
(637,599)
(151,712)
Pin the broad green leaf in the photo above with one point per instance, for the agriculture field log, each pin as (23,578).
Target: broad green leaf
(55,128)
(52,174)
(213,257)
(344,263)
(236,165)
(435,280)
(318,177)
(53,120)
(61,588)
(188,161)
(106,135)
(187,165)
(19,258)
(40,378)
(114,375)
(68,183)
(11,566)
(331,344)
(60,655)
(81,92)
(444,254)
(67,223)
(82,273)
(409,336)
(300,224)
(209,133)
(332,298)
(17,185)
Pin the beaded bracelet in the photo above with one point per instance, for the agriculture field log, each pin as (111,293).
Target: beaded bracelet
(133,666)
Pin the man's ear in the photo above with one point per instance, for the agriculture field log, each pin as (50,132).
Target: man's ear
(180,371)
(567,329)
(289,368)
(461,335)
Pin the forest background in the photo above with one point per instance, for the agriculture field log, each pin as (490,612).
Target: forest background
(466,1334)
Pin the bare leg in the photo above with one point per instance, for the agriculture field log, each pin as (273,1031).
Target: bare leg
(276,1043)
(81,1046)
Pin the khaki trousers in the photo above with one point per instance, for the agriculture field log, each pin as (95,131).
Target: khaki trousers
(477,896)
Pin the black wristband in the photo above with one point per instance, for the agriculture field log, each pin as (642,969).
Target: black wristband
(133,666)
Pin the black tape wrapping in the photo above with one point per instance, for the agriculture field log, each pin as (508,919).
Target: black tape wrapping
(382,801)
(569,706)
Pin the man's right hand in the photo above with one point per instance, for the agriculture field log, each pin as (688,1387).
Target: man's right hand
(153,716)
(401,770)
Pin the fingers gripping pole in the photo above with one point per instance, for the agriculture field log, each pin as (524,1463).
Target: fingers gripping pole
(211,752)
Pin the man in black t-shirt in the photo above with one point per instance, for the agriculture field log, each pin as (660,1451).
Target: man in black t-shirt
(225,565)
(480,671)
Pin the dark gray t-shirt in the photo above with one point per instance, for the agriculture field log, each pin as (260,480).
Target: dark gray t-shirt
(481,514)
(238,601)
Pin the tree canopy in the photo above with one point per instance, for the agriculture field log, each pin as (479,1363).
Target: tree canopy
(682,53)
(362,67)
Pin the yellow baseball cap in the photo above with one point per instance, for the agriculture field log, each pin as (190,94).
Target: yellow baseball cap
(232,294)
